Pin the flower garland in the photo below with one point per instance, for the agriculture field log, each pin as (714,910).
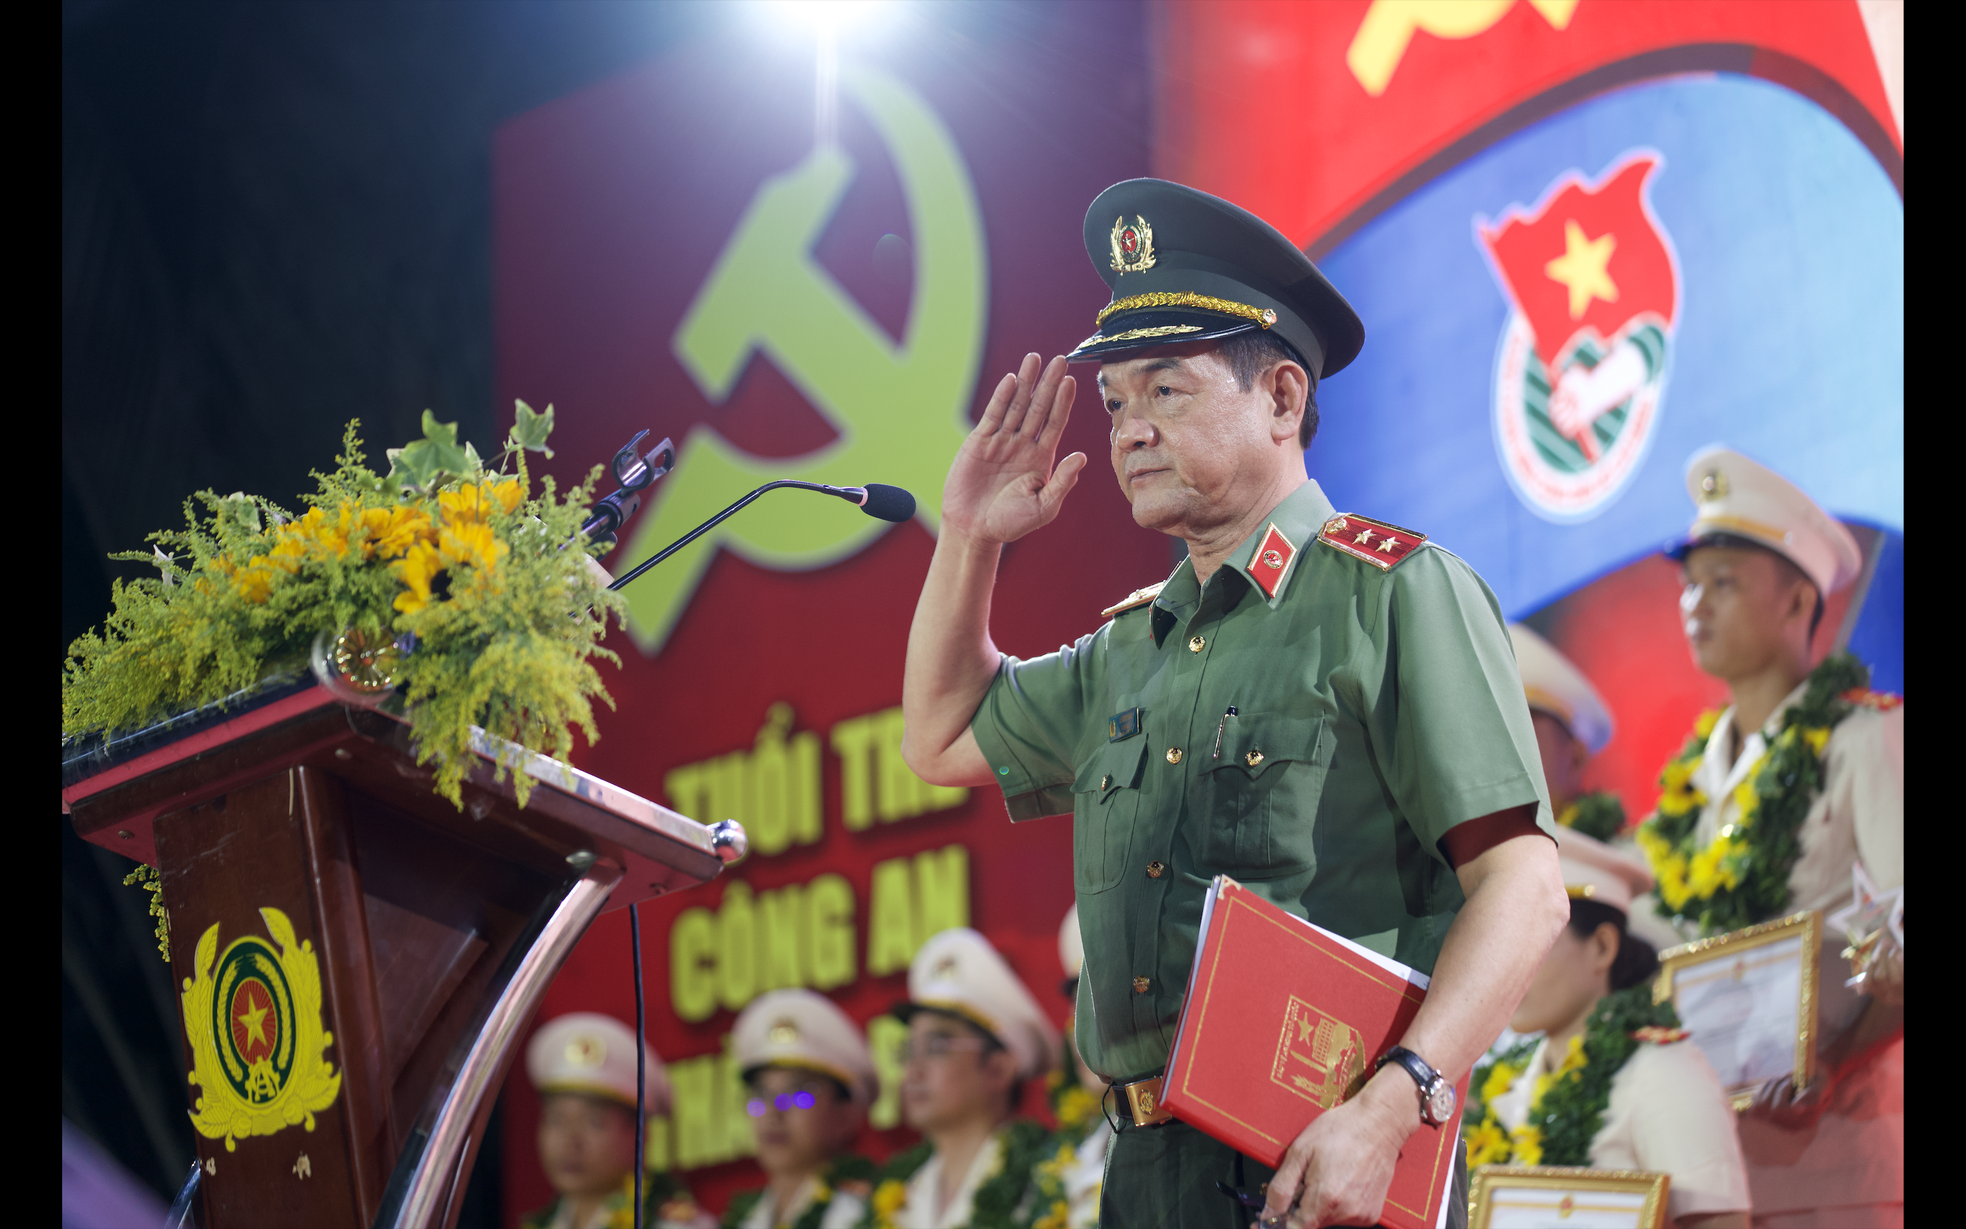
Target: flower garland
(1599,815)
(998,1202)
(1741,877)
(1566,1107)
(849,1172)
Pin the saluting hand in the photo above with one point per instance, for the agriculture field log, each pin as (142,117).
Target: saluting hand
(1338,1169)
(1003,484)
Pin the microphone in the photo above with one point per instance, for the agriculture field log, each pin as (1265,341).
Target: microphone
(876,499)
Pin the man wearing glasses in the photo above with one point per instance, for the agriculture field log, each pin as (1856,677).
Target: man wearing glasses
(1320,705)
(975,1035)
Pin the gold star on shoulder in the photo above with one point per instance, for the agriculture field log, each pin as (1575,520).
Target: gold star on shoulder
(1584,268)
(1365,536)
(1389,544)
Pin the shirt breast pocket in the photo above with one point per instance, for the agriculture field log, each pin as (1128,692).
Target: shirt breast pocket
(1106,801)
(1264,791)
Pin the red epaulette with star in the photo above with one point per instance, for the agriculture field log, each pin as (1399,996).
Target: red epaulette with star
(1139,597)
(1378,543)
(1659,1035)
(1876,701)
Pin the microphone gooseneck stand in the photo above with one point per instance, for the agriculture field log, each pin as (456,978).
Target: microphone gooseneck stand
(887,503)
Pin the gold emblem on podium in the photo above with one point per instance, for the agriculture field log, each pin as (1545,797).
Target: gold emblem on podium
(253,1017)
(1319,1057)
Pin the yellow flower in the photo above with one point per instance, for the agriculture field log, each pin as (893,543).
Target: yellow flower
(470,502)
(1528,1141)
(254,583)
(416,569)
(889,1198)
(1704,723)
(1500,1079)
(392,531)
(1817,738)
(1076,1106)
(1487,1145)
(473,544)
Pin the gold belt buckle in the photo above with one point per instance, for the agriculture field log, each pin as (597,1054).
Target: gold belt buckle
(1143,1100)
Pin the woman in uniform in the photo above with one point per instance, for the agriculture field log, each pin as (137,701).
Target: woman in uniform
(1608,1080)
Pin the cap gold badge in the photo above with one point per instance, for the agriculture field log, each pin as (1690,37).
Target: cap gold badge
(1133,245)
(587,1050)
(784,1031)
(1713,485)
(945,967)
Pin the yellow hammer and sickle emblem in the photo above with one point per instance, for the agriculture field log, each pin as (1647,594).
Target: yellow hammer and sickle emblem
(1390,25)
(901,411)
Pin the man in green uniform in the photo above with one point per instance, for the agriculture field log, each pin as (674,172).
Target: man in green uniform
(1323,706)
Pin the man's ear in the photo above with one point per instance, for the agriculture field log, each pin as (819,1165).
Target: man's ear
(1288,388)
(1604,946)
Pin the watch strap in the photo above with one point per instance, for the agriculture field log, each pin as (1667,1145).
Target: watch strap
(1424,1075)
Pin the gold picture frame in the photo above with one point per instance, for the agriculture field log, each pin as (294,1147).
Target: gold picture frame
(1676,962)
(1489,1206)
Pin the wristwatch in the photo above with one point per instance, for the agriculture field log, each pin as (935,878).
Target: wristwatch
(1436,1094)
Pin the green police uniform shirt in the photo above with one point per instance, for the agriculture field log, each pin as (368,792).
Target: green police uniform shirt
(1374,709)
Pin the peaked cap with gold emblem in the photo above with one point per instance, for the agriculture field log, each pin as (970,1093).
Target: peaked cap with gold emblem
(1593,870)
(958,973)
(1187,266)
(586,1052)
(798,1028)
(1734,497)
(1552,683)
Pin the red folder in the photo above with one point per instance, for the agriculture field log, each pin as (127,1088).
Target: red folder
(1283,1021)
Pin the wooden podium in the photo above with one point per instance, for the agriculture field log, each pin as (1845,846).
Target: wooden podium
(355,957)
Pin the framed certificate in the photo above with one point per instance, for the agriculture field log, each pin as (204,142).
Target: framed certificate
(1749,999)
(1557,1197)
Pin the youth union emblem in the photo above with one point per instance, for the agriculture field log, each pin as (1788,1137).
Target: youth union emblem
(253,1017)
(1581,372)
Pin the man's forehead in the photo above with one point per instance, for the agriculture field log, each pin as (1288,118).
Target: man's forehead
(1147,363)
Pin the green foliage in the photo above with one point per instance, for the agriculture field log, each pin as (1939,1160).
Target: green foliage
(507,623)
(151,880)
(530,430)
(1599,815)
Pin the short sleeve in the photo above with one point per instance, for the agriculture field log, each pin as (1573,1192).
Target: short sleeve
(1460,743)
(1030,722)
(1682,1124)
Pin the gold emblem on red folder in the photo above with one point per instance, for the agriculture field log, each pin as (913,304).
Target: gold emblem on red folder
(1319,1057)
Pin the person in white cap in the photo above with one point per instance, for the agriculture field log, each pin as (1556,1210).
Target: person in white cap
(975,1036)
(1768,808)
(1572,724)
(1069,1183)
(811,1079)
(583,1065)
(1642,1098)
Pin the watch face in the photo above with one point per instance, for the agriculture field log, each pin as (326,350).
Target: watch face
(1441,1102)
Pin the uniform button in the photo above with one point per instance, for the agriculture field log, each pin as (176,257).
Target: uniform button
(1195,644)
(1174,755)
(1254,757)
(1155,870)
(1106,782)
(1142,984)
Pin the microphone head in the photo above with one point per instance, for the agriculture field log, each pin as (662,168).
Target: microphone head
(889,503)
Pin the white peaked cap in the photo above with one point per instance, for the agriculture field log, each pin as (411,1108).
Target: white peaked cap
(1552,683)
(1595,871)
(1071,944)
(1732,494)
(957,971)
(587,1052)
(798,1028)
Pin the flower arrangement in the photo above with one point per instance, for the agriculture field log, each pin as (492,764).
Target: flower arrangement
(462,578)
